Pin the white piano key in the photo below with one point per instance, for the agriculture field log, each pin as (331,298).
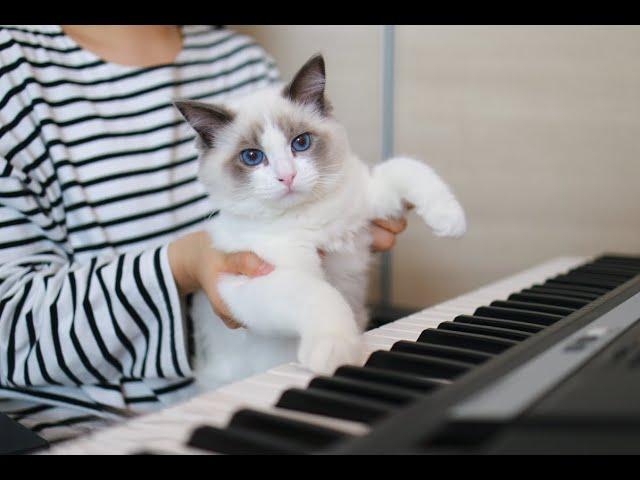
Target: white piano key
(410,328)
(457,309)
(393,333)
(417,324)
(427,318)
(274,380)
(204,404)
(252,394)
(380,342)
(292,369)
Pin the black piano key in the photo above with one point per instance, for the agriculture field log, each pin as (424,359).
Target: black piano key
(629,272)
(635,261)
(590,297)
(240,442)
(615,273)
(614,264)
(606,282)
(394,395)
(422,365)
(498,322)
(597,277)
(485,330)
(519,315)
(556,300)
(572,289)
(332,404)
(390,378)
(606,265)
(309,436)
(587,280)
(623,257)
(441,351)
(537,307)
(577,288)
(471,341)
(607,277)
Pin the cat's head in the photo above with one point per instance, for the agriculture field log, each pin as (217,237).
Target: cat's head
(272,150)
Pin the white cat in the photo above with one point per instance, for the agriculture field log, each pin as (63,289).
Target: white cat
(279,168)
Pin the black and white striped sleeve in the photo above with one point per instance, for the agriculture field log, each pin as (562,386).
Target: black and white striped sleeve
(273,73)
(64,322)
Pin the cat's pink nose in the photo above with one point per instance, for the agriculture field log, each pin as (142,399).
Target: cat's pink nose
(287,179)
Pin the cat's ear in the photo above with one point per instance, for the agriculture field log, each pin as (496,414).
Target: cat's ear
(206,119)
(308,85)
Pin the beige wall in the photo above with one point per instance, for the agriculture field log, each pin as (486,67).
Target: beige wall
(536,128)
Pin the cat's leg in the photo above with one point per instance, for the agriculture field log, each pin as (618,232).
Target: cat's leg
(348,272)
(294,303)
(223,355)
(402,178)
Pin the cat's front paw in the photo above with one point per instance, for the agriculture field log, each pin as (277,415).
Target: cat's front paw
(322,354)
(446,218)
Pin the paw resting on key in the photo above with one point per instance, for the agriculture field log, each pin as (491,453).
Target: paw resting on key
(324,353)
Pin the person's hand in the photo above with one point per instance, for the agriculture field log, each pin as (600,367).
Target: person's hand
(384,231)
(195,264)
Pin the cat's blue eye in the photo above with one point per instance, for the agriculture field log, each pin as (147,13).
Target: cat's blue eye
(301,143)
(251,157)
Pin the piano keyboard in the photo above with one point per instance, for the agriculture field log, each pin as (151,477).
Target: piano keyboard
(290,410)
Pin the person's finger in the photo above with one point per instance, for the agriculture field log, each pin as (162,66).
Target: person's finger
(246,263)
(220,308)
(231,323)
(394,225)
(381,239)
(408,205)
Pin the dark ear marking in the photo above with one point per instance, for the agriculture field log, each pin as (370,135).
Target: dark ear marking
(308,85)
(206,119)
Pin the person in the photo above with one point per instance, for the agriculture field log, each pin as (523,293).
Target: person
(100,215)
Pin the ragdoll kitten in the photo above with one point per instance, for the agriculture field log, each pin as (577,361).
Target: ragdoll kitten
(279,168)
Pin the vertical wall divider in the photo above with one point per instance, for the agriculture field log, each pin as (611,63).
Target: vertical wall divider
(387,138)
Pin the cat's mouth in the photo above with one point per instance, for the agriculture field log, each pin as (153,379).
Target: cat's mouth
(290,197)
(289,191)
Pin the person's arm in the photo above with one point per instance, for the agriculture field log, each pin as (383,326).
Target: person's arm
(69,322)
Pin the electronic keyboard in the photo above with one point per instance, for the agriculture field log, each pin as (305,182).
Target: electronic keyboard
(545,361)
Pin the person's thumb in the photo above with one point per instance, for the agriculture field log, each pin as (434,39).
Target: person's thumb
(246,263)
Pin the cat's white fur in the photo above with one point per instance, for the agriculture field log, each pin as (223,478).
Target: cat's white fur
(310,308)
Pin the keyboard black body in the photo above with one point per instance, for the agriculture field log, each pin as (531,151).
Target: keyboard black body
(566,355)
(16,439)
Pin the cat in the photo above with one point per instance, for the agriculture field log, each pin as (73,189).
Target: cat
(278,166)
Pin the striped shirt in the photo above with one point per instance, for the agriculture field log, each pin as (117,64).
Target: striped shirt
(97,176)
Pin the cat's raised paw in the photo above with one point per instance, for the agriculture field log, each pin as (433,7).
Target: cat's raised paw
(324,354)
(446,218)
